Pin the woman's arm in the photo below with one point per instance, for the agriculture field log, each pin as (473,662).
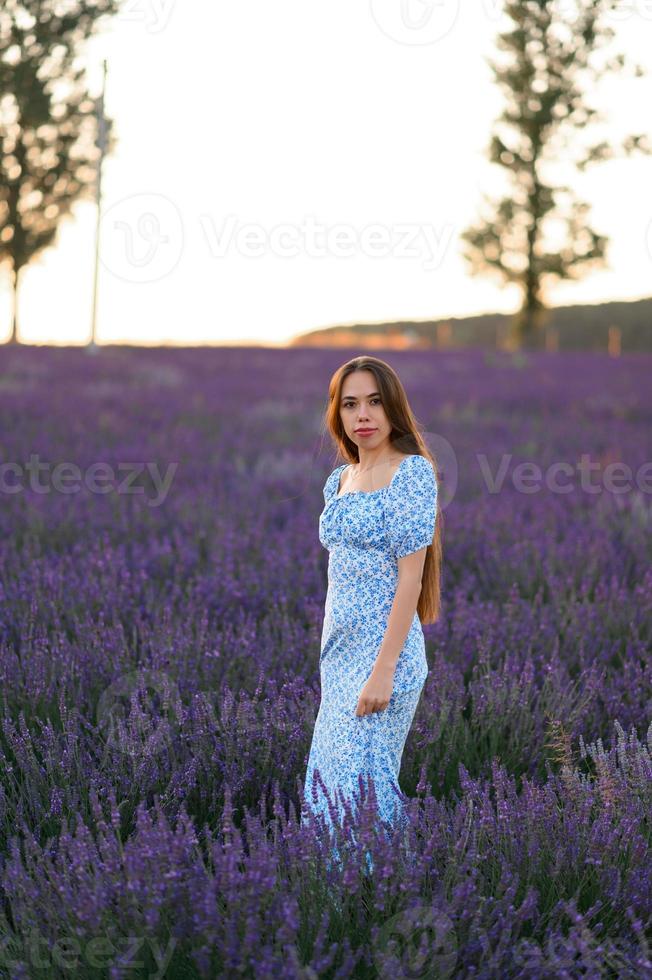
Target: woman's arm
(377,690)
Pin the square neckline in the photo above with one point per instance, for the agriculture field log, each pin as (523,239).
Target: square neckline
(339,496)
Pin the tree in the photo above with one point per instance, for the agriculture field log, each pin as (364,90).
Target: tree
(48,153)
(550,61)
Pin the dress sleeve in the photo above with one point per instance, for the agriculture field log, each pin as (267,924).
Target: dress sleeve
(411,507)
(332,483)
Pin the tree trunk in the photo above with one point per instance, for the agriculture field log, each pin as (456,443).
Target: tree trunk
(13,338)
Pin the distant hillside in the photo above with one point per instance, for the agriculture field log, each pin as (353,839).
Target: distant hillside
(582,327)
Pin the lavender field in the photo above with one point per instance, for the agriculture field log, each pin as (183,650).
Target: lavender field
(161,604)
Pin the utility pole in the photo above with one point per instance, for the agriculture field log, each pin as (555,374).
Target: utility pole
(101,143)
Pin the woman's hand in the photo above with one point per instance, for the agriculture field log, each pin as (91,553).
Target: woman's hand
(376,692)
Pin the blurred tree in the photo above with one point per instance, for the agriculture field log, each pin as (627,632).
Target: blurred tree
(48,126)
(550,60)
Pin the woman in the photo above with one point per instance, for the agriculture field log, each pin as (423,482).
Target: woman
(379,525)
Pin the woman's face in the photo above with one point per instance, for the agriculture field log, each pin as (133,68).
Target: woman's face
(361,409)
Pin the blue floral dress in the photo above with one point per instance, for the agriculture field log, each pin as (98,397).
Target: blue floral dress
(366,532)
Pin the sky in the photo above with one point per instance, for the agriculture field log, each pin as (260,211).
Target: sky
(290,166)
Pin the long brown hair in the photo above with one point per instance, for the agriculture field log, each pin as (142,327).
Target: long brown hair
(406,437)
